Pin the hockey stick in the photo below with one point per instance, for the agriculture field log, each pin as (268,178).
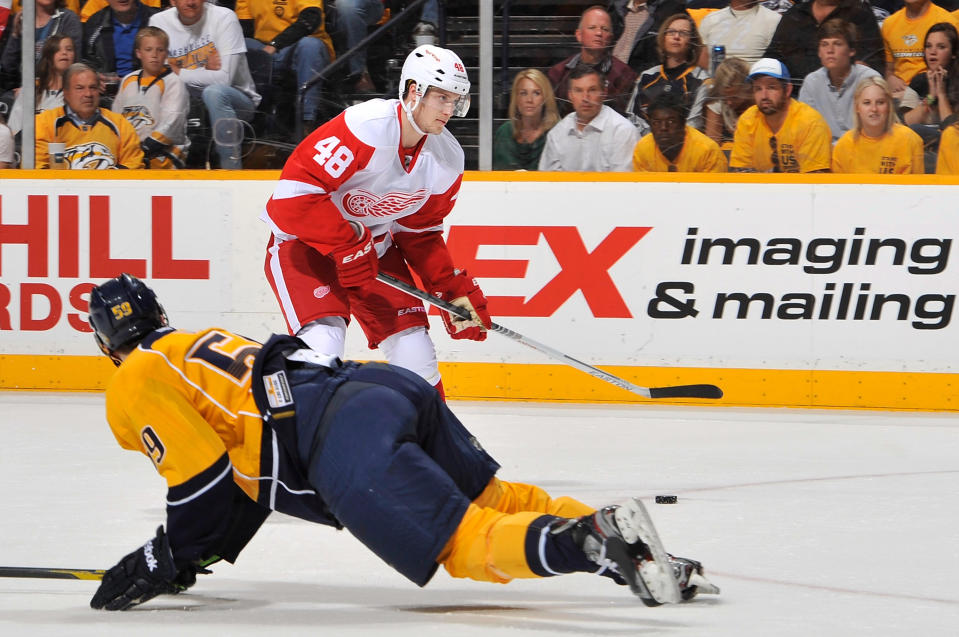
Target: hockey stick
(51,573)
(674,391)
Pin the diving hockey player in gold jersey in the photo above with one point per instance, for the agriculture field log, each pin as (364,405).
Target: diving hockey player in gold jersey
(238,429)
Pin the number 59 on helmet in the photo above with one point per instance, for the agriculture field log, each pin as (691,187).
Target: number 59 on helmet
(123,311)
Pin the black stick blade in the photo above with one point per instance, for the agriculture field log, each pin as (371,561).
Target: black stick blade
(686,391)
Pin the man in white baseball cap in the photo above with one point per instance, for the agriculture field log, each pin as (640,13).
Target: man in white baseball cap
(779,134)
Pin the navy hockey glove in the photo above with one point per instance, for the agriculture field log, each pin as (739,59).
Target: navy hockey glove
(142,575)
(152,148)
(356,263)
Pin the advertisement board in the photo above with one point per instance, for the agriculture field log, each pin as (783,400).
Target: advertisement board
(805,276)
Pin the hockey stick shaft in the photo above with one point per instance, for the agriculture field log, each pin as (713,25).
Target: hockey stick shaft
(51,573)
(675,391)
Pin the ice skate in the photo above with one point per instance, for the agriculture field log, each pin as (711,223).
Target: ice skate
(624,540)
(692,581)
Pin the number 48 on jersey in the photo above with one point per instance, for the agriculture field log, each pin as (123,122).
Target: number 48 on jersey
(332,156)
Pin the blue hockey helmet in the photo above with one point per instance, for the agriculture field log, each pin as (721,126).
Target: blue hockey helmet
(122,312)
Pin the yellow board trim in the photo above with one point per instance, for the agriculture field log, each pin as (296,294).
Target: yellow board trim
(45,373)
(557,383)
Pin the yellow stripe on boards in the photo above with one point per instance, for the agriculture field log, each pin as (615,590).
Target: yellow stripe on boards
(741,387)
(67,373)
(559,383)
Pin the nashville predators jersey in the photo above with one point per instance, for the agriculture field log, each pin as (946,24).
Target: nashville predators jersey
(92,6)
(157,107)
(109,142)
(272,17)
(905,39)
(184,400)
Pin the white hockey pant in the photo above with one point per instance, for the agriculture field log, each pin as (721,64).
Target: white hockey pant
(411,349)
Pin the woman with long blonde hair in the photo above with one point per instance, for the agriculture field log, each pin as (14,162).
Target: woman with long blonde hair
(877,143)
(519,141)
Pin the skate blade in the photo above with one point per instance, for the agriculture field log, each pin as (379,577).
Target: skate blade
(703,585)
(658,576)
(618,552)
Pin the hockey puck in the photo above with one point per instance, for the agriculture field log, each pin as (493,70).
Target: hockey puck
(666,499)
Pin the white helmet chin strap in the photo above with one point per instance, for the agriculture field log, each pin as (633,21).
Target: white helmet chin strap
(409,112)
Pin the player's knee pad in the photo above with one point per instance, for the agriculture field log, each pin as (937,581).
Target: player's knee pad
(413,349)
(326,335)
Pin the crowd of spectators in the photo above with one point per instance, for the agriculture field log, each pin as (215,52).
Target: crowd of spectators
(161,64)
(775,85)
(748,86)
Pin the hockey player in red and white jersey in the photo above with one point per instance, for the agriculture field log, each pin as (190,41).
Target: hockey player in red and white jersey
(369,191)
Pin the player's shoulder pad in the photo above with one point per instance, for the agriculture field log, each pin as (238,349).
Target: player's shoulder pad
(152,337)
(374,122)
(447,150)
(138,365)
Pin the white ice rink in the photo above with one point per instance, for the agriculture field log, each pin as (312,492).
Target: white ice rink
(813,523)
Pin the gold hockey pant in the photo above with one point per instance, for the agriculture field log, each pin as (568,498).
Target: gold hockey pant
(490,543)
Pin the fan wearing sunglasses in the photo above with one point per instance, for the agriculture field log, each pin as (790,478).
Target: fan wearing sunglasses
(779,134)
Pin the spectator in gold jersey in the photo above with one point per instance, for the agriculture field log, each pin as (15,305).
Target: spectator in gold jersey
(673,145)
(947,161)
(93,138)
(926,101)
(878,143)
(779,134)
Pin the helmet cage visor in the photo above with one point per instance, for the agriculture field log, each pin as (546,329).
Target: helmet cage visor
(462,106)
(461,103)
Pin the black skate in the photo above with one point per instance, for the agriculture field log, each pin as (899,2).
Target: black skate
(624,540)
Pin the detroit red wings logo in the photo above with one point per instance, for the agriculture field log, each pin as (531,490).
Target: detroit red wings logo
(361,203)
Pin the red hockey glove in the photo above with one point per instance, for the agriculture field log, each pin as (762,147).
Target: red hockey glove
(356,263)
(470,297)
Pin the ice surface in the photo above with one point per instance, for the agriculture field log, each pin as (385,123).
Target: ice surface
(814,523)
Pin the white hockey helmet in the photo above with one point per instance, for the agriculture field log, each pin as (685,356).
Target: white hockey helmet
(430,65)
